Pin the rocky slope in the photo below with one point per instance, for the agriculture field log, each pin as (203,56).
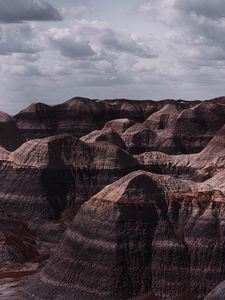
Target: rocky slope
(217,293)
(115,237)
(10,136)
(113,199)
(80,116)
(46,178)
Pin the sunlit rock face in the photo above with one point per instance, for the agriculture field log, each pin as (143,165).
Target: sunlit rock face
(113,199)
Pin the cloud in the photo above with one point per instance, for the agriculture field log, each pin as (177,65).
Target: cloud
(126,43)
(194,27)
(18,39)
(210,9)
(180,53)
(76,12)
(98,41)
(17,11)
(70,45)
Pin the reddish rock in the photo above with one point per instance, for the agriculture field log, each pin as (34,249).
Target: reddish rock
(46,178)
(104,135)
(119,125)
(143,226)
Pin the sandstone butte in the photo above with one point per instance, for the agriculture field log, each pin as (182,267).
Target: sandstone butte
(113,200)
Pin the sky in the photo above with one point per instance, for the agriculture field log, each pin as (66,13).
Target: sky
(53,50)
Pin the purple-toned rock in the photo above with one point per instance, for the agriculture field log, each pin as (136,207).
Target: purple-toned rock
(47,178)
(10,136)
(104,135)
(119,125)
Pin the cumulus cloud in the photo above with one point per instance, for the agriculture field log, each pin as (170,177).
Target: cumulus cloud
(17,11)
(210,9)
(194,27)
(73,48)
(97,40)
(18,39)
(176,49)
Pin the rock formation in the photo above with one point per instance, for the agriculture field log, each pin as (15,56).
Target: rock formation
(217,293)
(10,136)
(104,135)
(80,116)
(119,125)
(113,199)
(47,177)
(115,237)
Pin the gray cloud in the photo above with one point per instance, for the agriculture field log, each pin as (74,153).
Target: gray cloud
(97,40)
(174,48)
(17,39)
(210,9)
(71,48)
(124,43)
(17,11)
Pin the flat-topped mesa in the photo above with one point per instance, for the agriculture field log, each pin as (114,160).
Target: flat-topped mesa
(104,135)
(112,236)
(10,136)
(79,116)
(46,178)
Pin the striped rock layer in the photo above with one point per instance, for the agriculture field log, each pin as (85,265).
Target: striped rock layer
(138,236)
(130,234)
(46,178)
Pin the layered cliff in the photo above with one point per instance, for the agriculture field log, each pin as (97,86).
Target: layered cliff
(144,233)
(48,177)
(115,237)
(79,116)
(133,192)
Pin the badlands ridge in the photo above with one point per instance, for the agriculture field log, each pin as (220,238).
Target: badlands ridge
(113,199)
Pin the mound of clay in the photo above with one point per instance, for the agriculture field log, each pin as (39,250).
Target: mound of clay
(119,125)
(45,178)
(104,135)
(10,136)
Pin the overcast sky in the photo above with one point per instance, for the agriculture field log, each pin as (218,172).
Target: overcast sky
(53,50)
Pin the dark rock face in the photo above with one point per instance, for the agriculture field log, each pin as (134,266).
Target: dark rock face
(80,116)
(118,225)
(16,246)
(48,177)
(10,136)
(116,199)
(196,126)
(139,138)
